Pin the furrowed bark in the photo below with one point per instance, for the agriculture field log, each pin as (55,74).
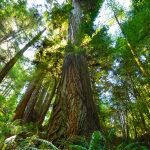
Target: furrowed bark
(40,101)
(22,104)
(27,117)
(74,22)
(46,105)
(12,62)
(74,112)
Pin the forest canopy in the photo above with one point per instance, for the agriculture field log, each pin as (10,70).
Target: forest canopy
(67,81)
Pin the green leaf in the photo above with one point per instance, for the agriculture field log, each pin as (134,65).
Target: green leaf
(96,142)
(78,147)
(48,143)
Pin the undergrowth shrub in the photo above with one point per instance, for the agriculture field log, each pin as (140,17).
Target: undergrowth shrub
(13,136)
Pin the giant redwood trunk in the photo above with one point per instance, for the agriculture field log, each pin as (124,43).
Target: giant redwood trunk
(74,112)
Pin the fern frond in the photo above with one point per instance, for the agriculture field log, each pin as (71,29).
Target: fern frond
(78,147)
(140,147)
(84,141)
(119,147)
(96,141)
(10,139)
(131,145)
(48,143)
(112,132)
(31,148)
(16,122)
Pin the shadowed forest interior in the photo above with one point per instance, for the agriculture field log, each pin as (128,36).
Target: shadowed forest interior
(75,75)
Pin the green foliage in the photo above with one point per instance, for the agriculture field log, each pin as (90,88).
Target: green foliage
(78,147)
(90,11)
(134,146)
(47,143)
(111,134)
(9,130)
(95,143)
(58,15)
(30,148)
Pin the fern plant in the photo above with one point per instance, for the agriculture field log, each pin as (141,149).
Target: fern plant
(133,146)
(96,143)
(27,143)
(47,143)
(9,131)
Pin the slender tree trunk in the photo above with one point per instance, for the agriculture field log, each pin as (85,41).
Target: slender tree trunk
(143,121)
(133,122)
(74,22)
(133,118)
(137,96)
(9,35)
(12,34)
(46,105)
(40,101)
(137,60)
(6,90)
(22,104)
(27,117)
(12,62)
(142,103)
(127,123)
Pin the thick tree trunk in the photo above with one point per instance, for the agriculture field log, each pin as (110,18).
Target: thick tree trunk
(22,105)
(40,101)
(27,117)
(12,62)
(74,112)
(46,105)
(74,22)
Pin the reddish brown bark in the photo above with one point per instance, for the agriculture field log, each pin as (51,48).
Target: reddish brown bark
(22,104)
(40,101)
(46,105)
(27,117)
(74,112)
